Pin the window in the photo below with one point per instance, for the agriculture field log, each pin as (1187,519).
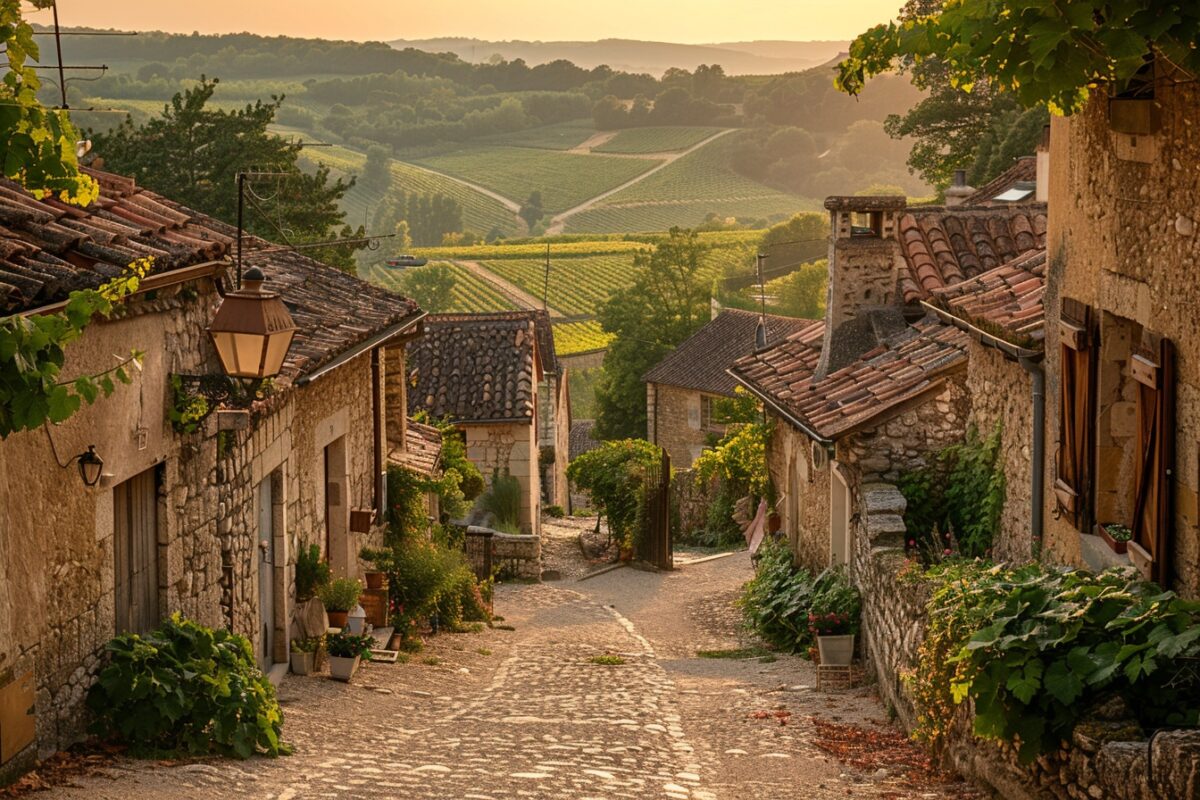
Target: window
(135,553)
(1073,481)
(706,412)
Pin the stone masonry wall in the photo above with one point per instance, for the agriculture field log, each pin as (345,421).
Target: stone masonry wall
(1123,238)
(1108,758)
(674,423)
(512,447)
(1001,391)
(803,492)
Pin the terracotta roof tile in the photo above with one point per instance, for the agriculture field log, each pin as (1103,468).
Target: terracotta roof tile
(701,362)
(422,450)
(475,367)
(1007,300)
(904,367)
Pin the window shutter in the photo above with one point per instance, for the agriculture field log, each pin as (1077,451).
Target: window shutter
(1072,487)
(1153,515)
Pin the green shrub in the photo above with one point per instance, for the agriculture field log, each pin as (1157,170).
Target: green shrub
(426,578)
(781,599)
(555,512)
(1035,648)
(185,688)
(503,500)
(341,595)
(614,474)
(311,572)
(349,645)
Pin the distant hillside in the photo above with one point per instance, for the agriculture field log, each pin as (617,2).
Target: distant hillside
(737,58)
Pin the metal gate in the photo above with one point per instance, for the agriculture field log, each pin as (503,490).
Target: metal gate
(654,544)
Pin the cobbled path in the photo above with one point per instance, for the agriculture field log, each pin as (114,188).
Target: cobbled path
(526,713)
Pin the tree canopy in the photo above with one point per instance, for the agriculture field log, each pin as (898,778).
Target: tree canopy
(667,301)
(1041,51)
(193,153)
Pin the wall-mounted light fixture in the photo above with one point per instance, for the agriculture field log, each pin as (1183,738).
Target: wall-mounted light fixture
(89,462)
(252,330)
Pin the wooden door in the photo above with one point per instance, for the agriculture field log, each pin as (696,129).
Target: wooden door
(266,576)
(135,550)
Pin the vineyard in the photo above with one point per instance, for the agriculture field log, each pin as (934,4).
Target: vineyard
(663,215)
(579,337)
(562,136)
(480,212)
(578,285)
(470,292)
(564,179)
(636,141)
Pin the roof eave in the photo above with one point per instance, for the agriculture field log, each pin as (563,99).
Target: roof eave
(386,336)
(1012,351)
(770,402)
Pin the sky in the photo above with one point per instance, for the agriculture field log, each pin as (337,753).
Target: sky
(694,21)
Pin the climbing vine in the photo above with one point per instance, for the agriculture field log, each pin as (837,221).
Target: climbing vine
(188,410)
(1043,51)
(32,353)
(1035,648)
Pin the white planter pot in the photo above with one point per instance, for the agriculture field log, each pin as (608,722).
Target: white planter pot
(302,663)
(836,651)
(343,669)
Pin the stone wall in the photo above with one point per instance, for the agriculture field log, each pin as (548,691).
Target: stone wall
(674,423)
(512,447)
(1123,238)
(514,556)
(803,491)
(1109,757)
(1001,392)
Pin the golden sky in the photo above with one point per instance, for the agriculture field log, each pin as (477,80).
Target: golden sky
(692,21)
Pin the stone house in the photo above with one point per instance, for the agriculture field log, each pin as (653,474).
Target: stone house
(681,388)
(1122,367)
(206,523)
(881,383)
(418,447)
(482,372)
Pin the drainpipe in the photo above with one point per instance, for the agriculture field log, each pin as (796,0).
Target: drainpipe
(1038,467)
(378,484)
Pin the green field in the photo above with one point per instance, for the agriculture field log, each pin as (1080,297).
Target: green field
(578,285)
(470,293)
(646,216)
(480,212)
(655,140)
(579,337)
(562,136)
(564,179)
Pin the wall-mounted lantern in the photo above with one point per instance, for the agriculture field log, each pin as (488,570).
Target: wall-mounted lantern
(91,466)
(252,330)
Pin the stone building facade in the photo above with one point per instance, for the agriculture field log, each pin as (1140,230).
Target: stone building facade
(204,523)
(1123,249)
(682,388)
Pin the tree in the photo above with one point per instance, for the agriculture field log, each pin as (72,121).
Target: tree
(532,211)
(192,154)
(802,294)
(432,287)
(377,170)
(37,143)
(1040,51)
(666,302)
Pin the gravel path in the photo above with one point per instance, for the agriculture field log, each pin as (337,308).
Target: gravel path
(528,713)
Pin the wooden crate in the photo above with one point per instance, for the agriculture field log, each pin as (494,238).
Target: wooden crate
(375,603)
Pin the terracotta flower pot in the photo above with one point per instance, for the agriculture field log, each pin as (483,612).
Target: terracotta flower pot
(1116,546)
(774,523)
(337,619)
(836,651)
(302,663)
(374,580)
(343,669)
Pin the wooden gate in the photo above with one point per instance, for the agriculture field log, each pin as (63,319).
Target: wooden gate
(654,543)
(135,552)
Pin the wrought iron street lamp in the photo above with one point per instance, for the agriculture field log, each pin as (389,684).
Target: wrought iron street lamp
(252,330)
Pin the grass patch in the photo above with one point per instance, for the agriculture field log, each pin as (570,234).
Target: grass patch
(483,651)
(504,627)
(737,654)
(431,661)
(607,660)
(412,646)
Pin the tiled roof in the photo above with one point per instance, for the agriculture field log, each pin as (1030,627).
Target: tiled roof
(581,438)
(48,249)
(701,362)
(475,367)
(904,367)
(1023,171)
(1005,301)
(944,246)
(422,450)
(545,336)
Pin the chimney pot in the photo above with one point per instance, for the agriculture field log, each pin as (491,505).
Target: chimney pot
(960,177)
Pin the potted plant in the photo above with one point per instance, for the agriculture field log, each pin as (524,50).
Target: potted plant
(1116,536)
(304,655)
(339,598)
(835,637)
(381,560)
(312,572)
(346,652)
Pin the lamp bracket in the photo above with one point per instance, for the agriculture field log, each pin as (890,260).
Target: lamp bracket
(223,390)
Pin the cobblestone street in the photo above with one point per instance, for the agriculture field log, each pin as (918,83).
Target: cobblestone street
(526,713)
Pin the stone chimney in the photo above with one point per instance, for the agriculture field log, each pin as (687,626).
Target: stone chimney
(862,303)
(959,191)
(1042,195)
